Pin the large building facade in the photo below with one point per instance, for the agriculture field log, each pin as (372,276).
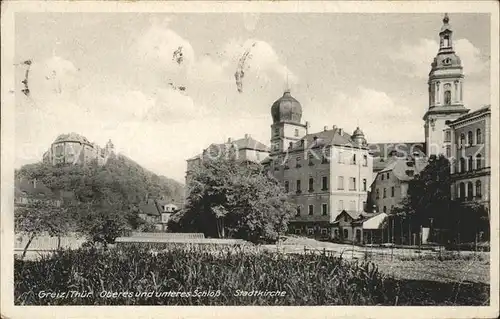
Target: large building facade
(73,148)
(324,173)
(471,164)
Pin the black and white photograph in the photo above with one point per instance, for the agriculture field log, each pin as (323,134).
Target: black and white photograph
(275,153)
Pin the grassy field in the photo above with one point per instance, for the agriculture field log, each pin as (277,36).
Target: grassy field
(305,279)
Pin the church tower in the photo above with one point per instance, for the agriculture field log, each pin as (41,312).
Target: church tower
(286,127)
(445,92)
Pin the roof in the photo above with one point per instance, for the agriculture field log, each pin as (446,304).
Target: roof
(400,167)
(324,138)
(71,137)
(246,143)
(33,188)
(367,217)
(383,153)
(353,214)
(484,109)
(150,208)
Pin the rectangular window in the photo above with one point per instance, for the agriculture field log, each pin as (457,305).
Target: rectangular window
(340,160)
(287,186)
(364,184)
(324,231)
(448,151)
(311,184)
(385,193)
(378,194)
(311,209)
(364,206)
(310,231)
(447,136)
(311,163)
(352,183)
(353,160)
(392,191)
(296,132)
(341,205)
(298,211)
(340,182)
(324,183)
(365,160)
(324,209)
(382,176)
(298,186)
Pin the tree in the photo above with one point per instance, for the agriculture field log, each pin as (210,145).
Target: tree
(230,198)
(39,217)
(429,195)
(102,223)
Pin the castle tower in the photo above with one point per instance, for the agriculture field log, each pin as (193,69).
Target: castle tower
(445,92)
(110,147)
(287,126)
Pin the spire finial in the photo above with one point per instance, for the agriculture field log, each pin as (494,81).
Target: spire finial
(287,84)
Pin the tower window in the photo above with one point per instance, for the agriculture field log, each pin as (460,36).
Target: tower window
(296,132)
(447,97)
(364,184)
(462,140)
(479,138)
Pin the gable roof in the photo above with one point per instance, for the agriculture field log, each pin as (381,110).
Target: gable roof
(150,207)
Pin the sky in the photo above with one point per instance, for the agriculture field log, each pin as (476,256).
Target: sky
(114,76)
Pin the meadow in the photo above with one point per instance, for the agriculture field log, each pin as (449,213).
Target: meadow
(134,275)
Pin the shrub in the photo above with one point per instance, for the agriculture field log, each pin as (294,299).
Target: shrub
(306,279)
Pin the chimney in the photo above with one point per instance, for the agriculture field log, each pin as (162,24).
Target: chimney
(325,128)
(341,131)
(290,145)
(334,127)
(247,136)
(229,140)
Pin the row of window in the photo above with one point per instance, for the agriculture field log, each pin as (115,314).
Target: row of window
(385,192)
(324,208)
(386,175)
(470,139)
(324,160)
(310,210)
(324,184)
(468,165)
(467,190)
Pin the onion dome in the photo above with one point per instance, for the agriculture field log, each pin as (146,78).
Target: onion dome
(286,109)
(71,137)
(358,137)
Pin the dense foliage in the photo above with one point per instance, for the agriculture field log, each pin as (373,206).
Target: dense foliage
(429,204)
(234,199)
(103,200)
(119,180)
(306,280)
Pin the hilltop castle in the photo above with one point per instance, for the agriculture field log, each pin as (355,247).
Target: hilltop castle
(74,148)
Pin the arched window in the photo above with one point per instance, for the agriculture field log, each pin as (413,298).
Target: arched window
(462,165)
(478,161)
(462,140)
(469,138)
(470,164)
(478,189)
(447,97)
(469,190)
(479,138)
(461,190)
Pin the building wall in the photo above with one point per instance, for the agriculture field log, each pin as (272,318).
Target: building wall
(389,201)
(471,174)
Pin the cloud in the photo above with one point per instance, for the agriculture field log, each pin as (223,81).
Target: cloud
(375,112)
(417,58)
